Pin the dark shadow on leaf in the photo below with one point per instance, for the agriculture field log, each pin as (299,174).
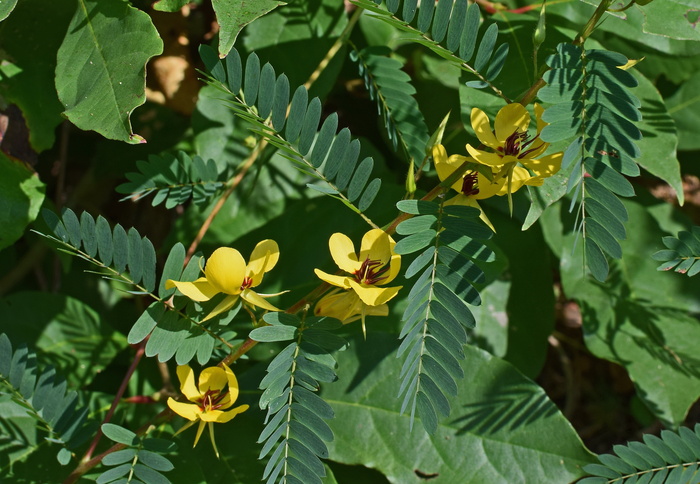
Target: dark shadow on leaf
(506,407)
(369,360)
(655,115)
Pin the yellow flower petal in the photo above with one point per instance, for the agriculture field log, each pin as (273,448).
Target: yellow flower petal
(199,290)
(343,253)
(375,246)
(190,411)
(342,306)
(511,118)
(255,299)
(485,158)
(539,111)
(187,384)
(232,383)
(223,417)
(225,270)
(333,280)
(262,260)
(519,177)
(482,128)
(394,267)
(488,188)
(445,166)
(374,295)
(227,303)
(212,378)
(545,166)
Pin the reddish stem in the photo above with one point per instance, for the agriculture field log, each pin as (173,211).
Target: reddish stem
(122,388)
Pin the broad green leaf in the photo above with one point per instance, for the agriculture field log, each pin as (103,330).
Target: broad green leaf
(660,138)
(169,5)
(503,426)
(21,196)
(6,8)
(31,37)
(677,19)
(100,74)
(684,107)
(234,15)
(639,319)
(530,308)
(65,331)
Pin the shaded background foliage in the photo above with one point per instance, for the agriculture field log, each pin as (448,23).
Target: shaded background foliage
(612,360)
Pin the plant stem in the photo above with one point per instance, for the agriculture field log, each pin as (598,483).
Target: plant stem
(122,388)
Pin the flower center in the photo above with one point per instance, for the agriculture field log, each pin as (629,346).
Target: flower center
(211,400)
(370,272)
(470,185)
(516,143)
(247,282)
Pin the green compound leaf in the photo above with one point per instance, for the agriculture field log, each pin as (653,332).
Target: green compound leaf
(591,84)
(391,88)
(234,15)
(497,413)
(675,454)
(295,425)
(332,158)
(40,395)
(438,304)
(21,196)
(461,24)
(100,74)
(174,179)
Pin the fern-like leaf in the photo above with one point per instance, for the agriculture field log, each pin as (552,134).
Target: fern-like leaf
(295,424)
(673,458)
(437,314)
(591,103)
(391,88)
(173,179)
(44,396)
(450,29)
(141,457)
(263,100)
(682,253)
(130,258)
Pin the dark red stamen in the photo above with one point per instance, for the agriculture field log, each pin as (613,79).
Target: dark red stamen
(516,143)
(247,282)
(470,184)
(370,272)
(211,400)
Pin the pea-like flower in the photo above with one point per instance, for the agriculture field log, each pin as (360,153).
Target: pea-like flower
(226,272)
(474,186)
(216,391)
(366,273)
(512,146)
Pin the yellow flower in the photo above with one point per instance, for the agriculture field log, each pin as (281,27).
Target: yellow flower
(216,391)
(376,264)
(347,307)
(473,185)
(512,145)
(226,272)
